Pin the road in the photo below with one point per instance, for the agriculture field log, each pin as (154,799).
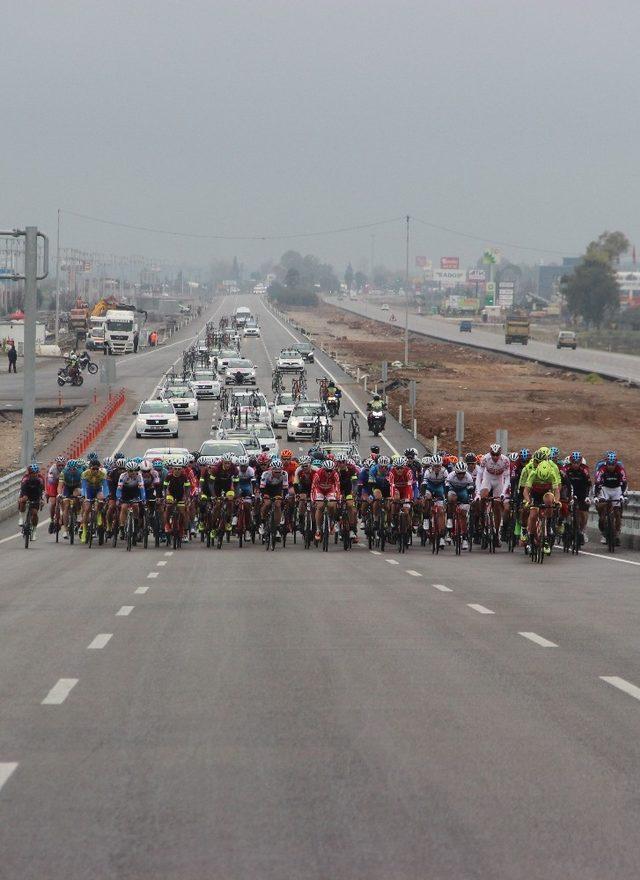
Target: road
(609,364)
(241,714)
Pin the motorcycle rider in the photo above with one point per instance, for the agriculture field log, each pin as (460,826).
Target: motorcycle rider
(375,409)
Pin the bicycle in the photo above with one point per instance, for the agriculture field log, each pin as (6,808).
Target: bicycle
(270,531)
(344,528)
(130,528)
(404,527)
(488,526)
(610,524)
(571,537)
(353,433)
(27,526)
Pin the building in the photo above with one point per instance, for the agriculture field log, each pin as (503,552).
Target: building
(549,276)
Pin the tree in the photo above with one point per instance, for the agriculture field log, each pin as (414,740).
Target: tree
(591,291)
(292,278)
(360,280)
(348,276)
(608,247)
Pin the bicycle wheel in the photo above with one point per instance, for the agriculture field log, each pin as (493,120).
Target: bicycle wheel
(129,530)
(26,531)
(325,531)
(273,532)
(91,528)
(611,532)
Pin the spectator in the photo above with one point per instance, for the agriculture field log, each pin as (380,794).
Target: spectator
(12,354)
(136,340)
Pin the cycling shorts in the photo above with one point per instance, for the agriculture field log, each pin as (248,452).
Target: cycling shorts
(244,491)
(537,498)
(273,491)
(30,493)
(496,484)
(51,490)
(405,493)
(130,496)
(92,492)
(610,494)
(68,491)
(436,490)
(321,496)
(385,488)
(462,495)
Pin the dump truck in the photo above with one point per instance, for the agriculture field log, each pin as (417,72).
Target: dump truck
(517,328)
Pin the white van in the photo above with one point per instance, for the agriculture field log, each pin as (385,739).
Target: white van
(243,314)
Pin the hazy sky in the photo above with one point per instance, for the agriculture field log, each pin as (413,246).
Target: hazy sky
(515,121)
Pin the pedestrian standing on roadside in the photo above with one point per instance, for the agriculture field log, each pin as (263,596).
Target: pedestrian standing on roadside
(136,340)
(12,355)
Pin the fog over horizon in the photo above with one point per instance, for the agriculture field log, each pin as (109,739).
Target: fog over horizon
(515,122)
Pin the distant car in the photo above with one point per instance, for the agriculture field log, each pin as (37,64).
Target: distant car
(567,339)
(239,371)
(306,350)
(265,436)
(251,403)
(155,418)
(221,358)
(302,421)
(165,452)
(384,307)
(205,383)
(252,330)
(291,360)
(466,326)
(184,401)
(219,447)
(350,450)
(282,408)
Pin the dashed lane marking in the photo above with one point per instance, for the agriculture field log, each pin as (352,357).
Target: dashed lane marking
(100,641)
(141,590)
(153,574)
(480,608)
(416,574)
(162,562)
(60,691)
(168,553)
(392,561)
(125,611)
(375,552)
(608,558)
(539,640)
(442,588)
(6,770)
(622,685)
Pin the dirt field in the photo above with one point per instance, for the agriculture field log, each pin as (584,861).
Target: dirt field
(47,426)
(536,404)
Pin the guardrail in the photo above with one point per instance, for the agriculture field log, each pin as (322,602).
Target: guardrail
(9,486)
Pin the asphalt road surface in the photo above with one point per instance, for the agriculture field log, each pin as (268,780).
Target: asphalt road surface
(610,364)
(242,714)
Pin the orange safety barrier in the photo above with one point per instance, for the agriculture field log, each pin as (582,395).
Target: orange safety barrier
(96,426)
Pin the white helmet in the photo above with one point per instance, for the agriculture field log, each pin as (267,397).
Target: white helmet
(146,465)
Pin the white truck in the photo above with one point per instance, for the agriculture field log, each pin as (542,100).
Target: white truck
(95,336)
(120,327)
(243,314)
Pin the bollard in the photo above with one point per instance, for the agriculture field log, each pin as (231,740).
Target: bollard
(59,398)
(400,414)
(415,429)
(365,384)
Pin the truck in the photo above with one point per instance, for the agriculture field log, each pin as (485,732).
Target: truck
(517,329)
(95,337)
(79,317)
(120,326)
(243,314)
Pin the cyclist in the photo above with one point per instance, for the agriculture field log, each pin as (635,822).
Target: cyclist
(610,485)
(51,488)
(542,489)
(374,452)
(130,492)
(381,486)
(460,487)
(403,480)
(30,499)
(69,486)
(495,482)
(94,487)
(223,477)
(114,472)
(325,486)
(177,489)
(246,484)
(152,485)
(348,475)
(576,484)
(302,480)
(274,486)
(434,478)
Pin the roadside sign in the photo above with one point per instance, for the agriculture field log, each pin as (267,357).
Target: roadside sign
(412,393)
(108,371)
(490,293)
(476,275)
(384,371)
(449,262)
(460,426)
(502,437)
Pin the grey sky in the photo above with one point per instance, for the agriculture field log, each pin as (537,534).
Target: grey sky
(514,120)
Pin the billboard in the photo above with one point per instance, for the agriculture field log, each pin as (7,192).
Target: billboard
(476,275)
(421,262)
(505,294)
(449,277)
(449,262)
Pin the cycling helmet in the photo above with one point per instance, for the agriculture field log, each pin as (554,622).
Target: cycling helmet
(276,462)
(146,465)
(576,456)
(495,449)
(546,452)
(425,461)
(34,467)
(234,459)
(399,461)
(384,460)
(243,460)
(341,457)
(612,458)
(554,452)
(190,458)
(375,450)
(93,456)
(61,460)
(525,454)
(131,465)
(540,454)
(453,459)
(304,461)
(158,463)
(263,459)
(94,462)
(376,397)
(286,454)
(461,467)
(514,457)
(227,456)
(436,460)
(328,465)
(316,463)
(118,456)
(366,464)
(177,461)
(470,458)
(545,471)
(409,452)
(81,463)
(107,464)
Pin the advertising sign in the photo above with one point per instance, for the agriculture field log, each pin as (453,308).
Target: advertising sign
(505,294)
(476,275)
(449,262)
(490,293)
(449,277)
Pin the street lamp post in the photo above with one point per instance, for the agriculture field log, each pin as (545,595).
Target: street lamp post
(406,303)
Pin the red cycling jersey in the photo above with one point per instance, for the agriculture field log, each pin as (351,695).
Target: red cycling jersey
(325,484)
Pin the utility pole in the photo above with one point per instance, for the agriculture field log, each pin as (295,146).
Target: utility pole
(57,328)
(406,304)
(373,246)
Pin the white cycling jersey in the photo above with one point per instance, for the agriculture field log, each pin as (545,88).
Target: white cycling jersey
(495,466)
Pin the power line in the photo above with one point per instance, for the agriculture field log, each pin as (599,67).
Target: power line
(487,240)
(219,237)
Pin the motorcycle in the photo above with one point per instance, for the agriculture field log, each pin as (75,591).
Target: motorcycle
(333,406)
(85,363)
(70,376)
(376,422)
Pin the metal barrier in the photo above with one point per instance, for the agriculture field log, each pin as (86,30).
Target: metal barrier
(9,486)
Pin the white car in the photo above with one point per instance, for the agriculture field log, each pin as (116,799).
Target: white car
(304,419)
(183,399)
(251,403)
(156,418)
(384,307)
(239,371)
(219,447)
(265,436)
(165,452)
(252,330)
(290,359)
(205,383)
(222,358)
(281,409)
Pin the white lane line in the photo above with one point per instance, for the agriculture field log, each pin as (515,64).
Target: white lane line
(606,558)
(100,641)
(442,588)
(392,561)
(60,691)
(622,685)
(480,608)
(141,590)
(345,393)
(6,770)
(375,552)
(416,574)
(125,611)
(168,553)
(41,522)
(153,574)
(539,640)
(162,562)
